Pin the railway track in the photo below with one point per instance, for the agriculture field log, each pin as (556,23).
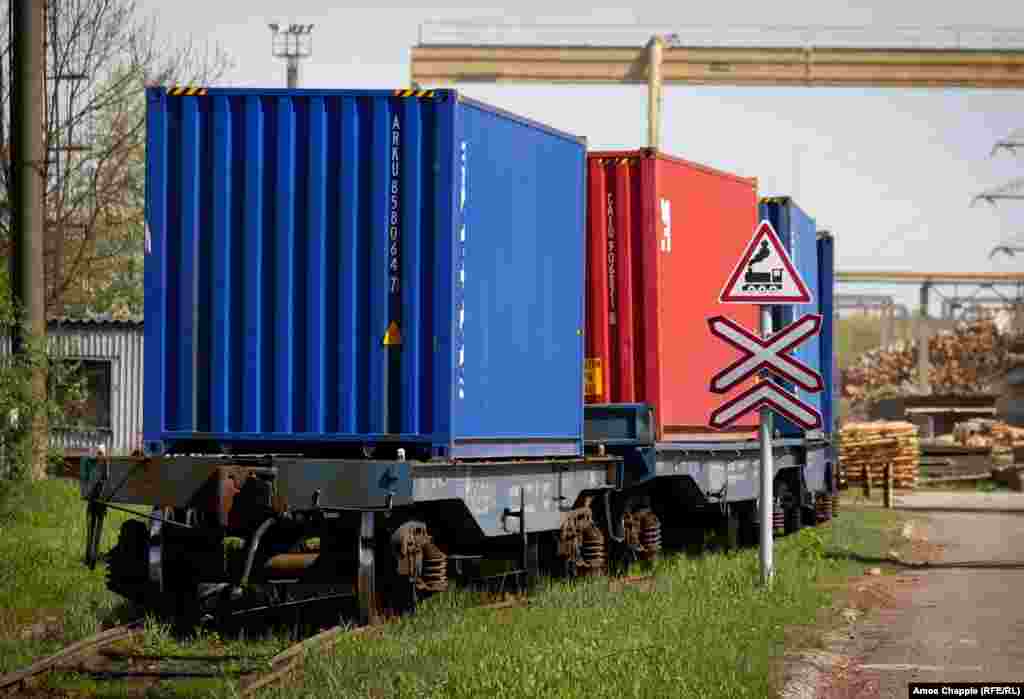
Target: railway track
(268,671)
(15,680)
(263,671)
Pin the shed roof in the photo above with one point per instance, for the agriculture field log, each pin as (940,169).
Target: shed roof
(95,321)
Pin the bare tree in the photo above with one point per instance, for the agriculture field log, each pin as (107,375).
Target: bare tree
(99,55)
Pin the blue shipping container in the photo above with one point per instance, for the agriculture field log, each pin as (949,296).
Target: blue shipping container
(798,233)
(826,307)
(330,267)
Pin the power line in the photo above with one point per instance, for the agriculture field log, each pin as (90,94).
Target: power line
(1011,142)
(1014,189)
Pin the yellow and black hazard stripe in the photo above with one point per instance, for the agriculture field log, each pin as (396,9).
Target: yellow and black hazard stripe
(615,161)
(186,91)
(420,94)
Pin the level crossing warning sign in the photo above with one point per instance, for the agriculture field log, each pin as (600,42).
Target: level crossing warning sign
(771,353)
(765,274)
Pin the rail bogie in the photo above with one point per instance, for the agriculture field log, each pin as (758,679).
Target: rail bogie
(389,531)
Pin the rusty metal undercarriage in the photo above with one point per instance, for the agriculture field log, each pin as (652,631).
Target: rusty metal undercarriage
(237,536)
(583,545)
(239,539)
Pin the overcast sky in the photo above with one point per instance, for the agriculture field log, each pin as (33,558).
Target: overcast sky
(890,172)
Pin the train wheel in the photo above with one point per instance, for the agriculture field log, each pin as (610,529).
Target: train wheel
(729,528)
(791,508)
(749,525)
(366,582)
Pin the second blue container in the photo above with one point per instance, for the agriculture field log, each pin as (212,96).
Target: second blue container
(826,307)
(799,236)
(330,267)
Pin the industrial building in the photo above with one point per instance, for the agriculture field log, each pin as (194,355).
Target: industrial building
(106,353)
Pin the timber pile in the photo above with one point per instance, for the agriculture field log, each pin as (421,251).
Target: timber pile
(967,360)
(990,434)
(875,444)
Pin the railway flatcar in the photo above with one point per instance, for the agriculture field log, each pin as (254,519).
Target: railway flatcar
(390,344)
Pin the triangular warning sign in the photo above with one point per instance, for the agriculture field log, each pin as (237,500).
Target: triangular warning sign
(765,274)
(393,336)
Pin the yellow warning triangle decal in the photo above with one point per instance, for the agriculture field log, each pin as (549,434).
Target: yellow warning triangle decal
(393,336)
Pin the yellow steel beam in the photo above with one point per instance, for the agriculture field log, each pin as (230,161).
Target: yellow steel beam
(722,66)
(934,277)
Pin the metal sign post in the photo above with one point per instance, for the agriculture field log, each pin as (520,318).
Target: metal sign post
(767,500)
(776,283)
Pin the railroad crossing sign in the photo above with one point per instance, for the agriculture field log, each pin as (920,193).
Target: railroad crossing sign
(765,274)
(766,395)
(771,354)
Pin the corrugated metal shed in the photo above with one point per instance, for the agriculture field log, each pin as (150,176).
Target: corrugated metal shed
(110,350)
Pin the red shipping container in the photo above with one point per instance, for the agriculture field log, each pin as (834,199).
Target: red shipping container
(663,235)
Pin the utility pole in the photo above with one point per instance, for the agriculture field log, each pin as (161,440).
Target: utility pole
(27,188)
(292,43)
(655,55)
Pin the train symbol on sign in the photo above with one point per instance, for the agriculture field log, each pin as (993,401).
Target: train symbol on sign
(765,274)
(762,281)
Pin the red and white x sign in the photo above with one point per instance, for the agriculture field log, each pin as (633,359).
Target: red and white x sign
(769,395)
(771,353)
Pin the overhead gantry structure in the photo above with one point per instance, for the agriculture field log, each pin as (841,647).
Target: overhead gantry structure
(1012,283)
(967,57)
(962,57)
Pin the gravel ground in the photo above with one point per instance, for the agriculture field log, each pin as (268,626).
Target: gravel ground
(957,618)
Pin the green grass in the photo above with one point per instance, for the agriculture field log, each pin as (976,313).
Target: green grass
(707,628)
(45,584)
(42,577)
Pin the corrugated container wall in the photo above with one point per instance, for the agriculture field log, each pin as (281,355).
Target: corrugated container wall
(663,236)
(799,236)
(334,267)
(826,307)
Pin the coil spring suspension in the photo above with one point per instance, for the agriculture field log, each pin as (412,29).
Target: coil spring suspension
(650,535)
(834,499)
(778,520)
(822,508)
(595,554)
(435,569)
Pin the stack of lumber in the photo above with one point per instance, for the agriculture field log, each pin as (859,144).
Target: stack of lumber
(990,434)
(967,360)
(876,444)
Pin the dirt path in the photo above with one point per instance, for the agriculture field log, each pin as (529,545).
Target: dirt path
(960,619)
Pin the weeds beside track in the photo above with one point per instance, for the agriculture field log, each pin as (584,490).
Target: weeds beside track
(701,627)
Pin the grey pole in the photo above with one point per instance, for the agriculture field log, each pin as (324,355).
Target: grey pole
(293,73)
(27,173)
(27,155)
(767,472)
